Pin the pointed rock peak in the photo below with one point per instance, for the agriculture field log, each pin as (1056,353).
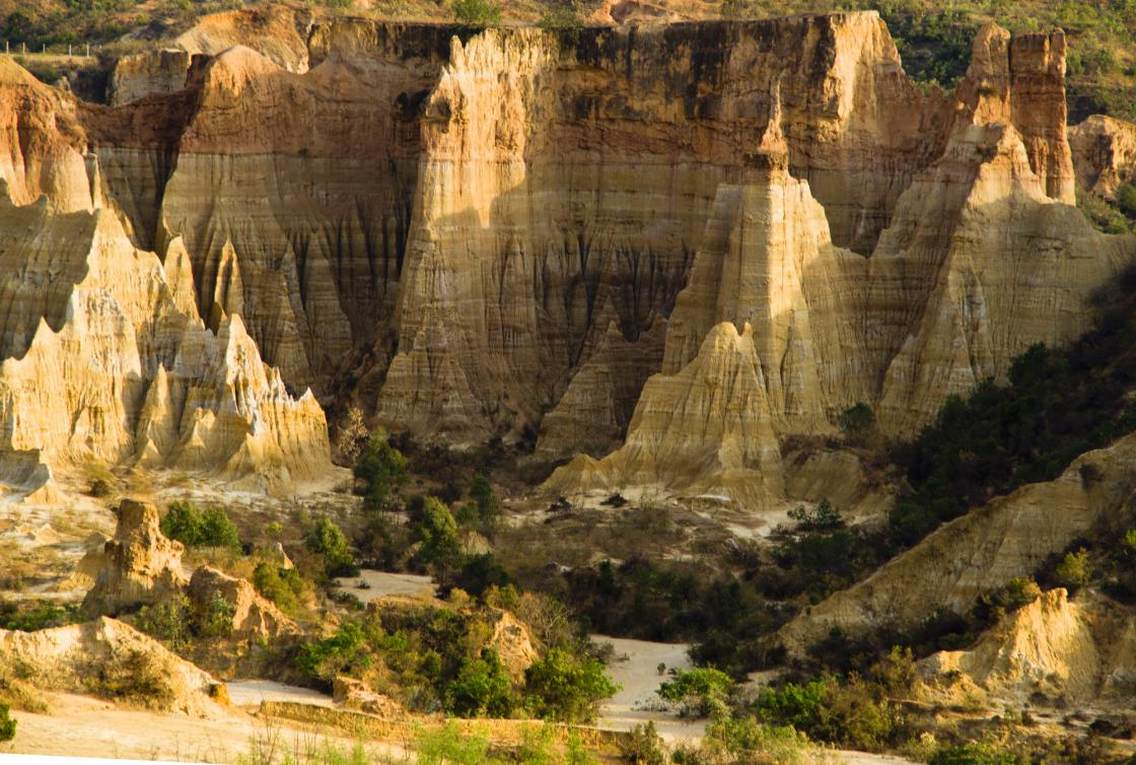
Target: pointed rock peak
(178,268)
(773,140)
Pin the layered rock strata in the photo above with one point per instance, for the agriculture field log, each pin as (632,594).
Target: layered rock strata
(1104,153)
(140,565)
(983,256)
(1010,537)
(1066,651)
(469,233)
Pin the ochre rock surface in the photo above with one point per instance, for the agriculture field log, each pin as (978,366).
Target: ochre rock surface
(508,232)
(140,565)
(1068,651)
(1012,536)
(1104,153)
(74,658)
(254,618)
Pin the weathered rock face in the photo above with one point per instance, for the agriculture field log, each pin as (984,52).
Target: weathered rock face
(500,305)
(141,566)
(254,618)
(477,233)
(982,257)
(104,357)
(1104,154)
(1066,651)
(75,657)
(1010,537)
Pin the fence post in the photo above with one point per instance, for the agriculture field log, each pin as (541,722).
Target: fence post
(88,50)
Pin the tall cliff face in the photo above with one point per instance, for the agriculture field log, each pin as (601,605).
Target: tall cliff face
(477,233)
(576,187)
(105,358)
(982,257)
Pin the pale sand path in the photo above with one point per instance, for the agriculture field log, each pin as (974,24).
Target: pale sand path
(249,693)
(381,584)
(85,727)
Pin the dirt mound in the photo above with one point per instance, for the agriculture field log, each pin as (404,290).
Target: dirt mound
(109,659)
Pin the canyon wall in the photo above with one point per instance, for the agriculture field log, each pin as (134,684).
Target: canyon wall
(691,239)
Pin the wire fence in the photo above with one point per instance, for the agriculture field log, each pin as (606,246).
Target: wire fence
(75,50)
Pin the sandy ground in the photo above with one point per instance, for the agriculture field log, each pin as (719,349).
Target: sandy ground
(381,584)
(85,727)
(249,693)
(635,668)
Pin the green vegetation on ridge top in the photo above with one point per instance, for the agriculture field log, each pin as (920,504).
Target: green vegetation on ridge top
(934,38)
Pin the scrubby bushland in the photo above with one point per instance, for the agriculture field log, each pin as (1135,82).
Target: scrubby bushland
(701,692)
(195,527)
(283,586)
(30,616)
(439,657)
(7,724)
(566,686)
(325,539)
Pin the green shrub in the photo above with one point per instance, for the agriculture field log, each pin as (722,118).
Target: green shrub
(339,654)
(215,618)
(747,740)
(857,423)
(643,746)
(1073,572)
(1126,199)
(855,714)
(7,724)
(481,689)
(168,621)
(479,13)
(283,586)
(479,573)
(325,538)
(192,527)
(567,687)
(381,468)
(448,746)
(701,692)
(32,617)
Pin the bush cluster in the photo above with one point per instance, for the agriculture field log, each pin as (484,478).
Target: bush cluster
(195,527)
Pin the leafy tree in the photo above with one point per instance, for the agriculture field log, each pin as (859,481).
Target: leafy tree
(857,422)
(479,13)
(1073,571)
(481,572)
(567,687)
(381,468)
(327,539)
(482,688)
(7,724)
(283,586)
(484,512)
(193,527)
(701,692)
(437,530)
